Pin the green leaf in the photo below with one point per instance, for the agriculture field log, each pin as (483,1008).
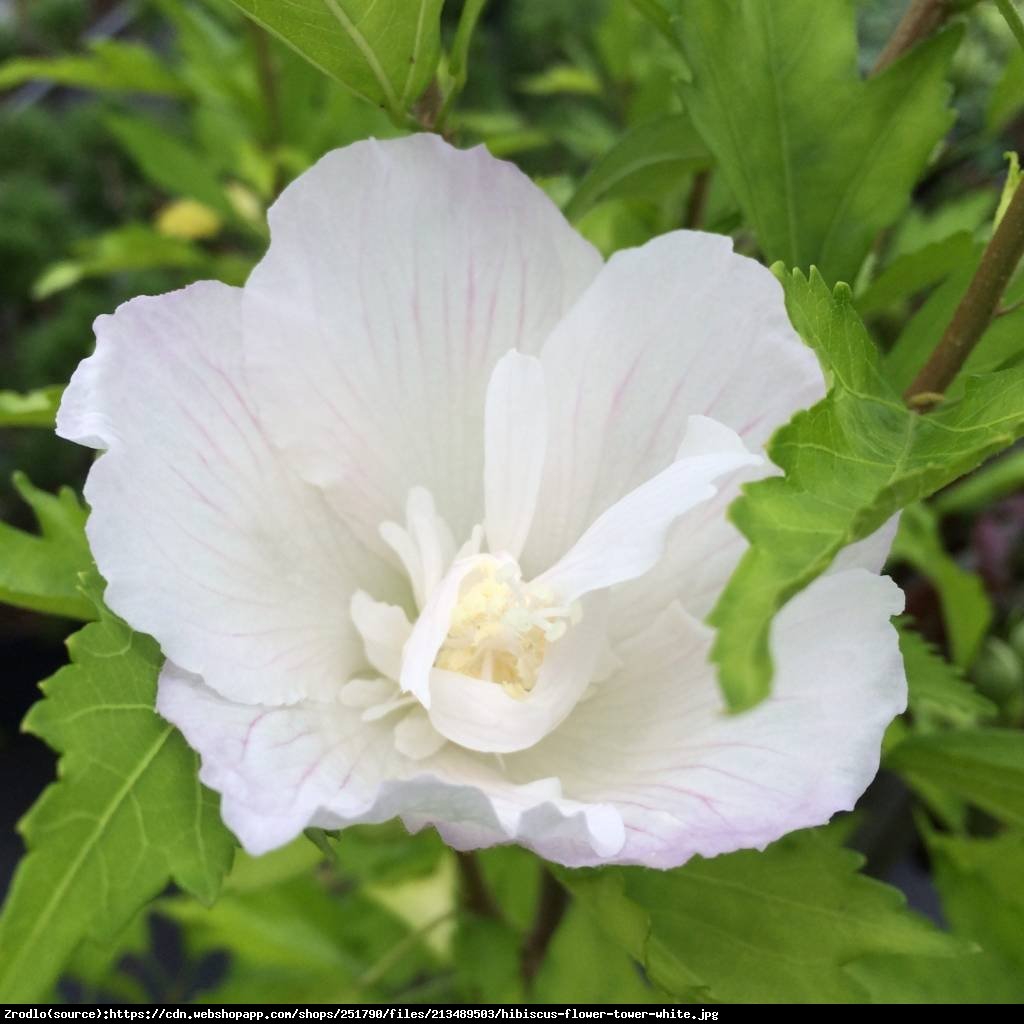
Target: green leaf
(647,161)
(912,272)
(851,462)
(996,480)
(126,816)
(168,162)
(1007,97)
(982,766)
(820,160)
(922,332)
(32,409)
(41,571)
(569,976)
(385,51)
(298,940)
(486,956)
(982,898)
(971,978)
(966,609)
(111,66)
(938,690)
(126,248)
(774,926)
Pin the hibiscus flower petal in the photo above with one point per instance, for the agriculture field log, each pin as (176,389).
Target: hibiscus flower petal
(628,539)
(207,539)
(282,769)
(656,742)
(515,437)
(681,326)
(398,273)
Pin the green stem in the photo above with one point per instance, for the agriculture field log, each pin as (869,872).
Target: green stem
(922,18)
(976,309)
(1013,19)
(458,62)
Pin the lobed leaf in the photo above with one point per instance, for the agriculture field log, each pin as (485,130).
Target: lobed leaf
(851,462)
(983,766)
(40,572)
(771,926)
(127,815)
(819,160)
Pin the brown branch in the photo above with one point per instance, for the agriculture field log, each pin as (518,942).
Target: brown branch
(922,18)
(476,897)
(976,309)
(551,907)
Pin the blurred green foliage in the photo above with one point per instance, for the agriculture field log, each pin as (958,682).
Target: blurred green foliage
(142,144)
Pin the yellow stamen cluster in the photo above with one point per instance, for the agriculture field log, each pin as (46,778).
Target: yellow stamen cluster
(500,629)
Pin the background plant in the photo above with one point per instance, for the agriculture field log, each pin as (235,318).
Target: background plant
(142,144)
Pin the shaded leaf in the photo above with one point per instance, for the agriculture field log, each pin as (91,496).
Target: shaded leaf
(127,815)
(31,409)
(966,609)
(775,926)
(111,65)
(41,571)
(938,691)
(982,766)
(646,161)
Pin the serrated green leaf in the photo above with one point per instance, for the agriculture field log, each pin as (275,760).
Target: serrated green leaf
(383,50)
(127,816)
(966,609)
(646,161)
(938,691)
(30,409)
(111,66)
(41,571)
(819,160)
(982,766)
(851,462)
(775,926)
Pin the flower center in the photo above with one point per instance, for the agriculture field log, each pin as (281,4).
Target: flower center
(501,627)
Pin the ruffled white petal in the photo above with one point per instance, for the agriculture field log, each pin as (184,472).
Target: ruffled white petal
(207,539)
(398,274)
(280,770)
(656,743)
(681,326)
(628,539)
(515,438)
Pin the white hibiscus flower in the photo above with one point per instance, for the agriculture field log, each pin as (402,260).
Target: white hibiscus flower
(427,515)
